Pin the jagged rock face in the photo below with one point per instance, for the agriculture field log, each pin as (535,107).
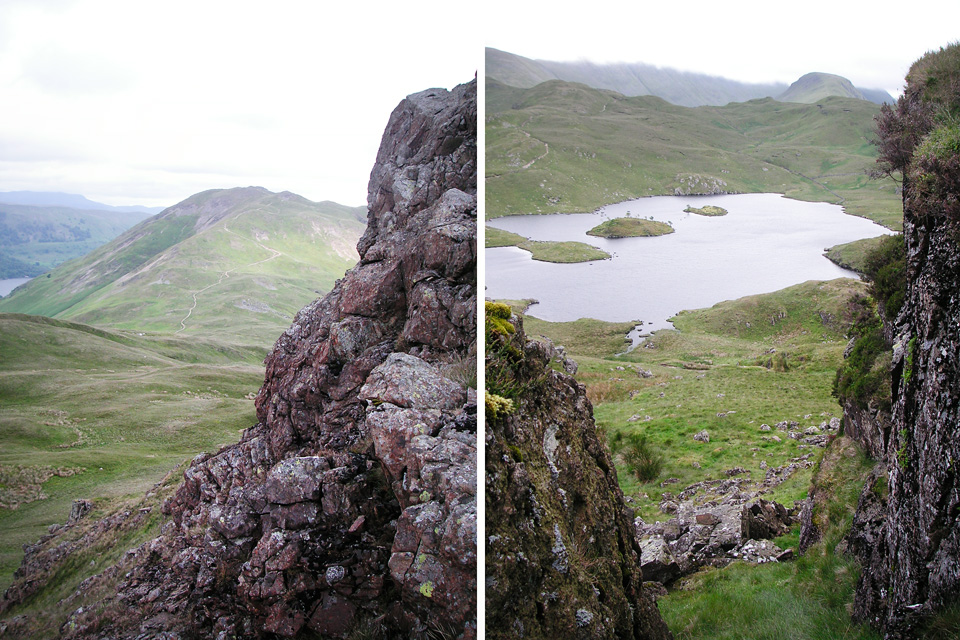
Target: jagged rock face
(561,557)
(915,569)
(352,504)
(869,427)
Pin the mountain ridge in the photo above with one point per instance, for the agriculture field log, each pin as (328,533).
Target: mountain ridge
(70,200)
(683,88)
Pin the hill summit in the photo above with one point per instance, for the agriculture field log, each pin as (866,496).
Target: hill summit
(240,261)
(816,86)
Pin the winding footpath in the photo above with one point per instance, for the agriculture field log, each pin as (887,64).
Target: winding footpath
(226,274)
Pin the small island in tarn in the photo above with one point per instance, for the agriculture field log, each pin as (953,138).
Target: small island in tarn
(545,251)
(709,210)
(630,228)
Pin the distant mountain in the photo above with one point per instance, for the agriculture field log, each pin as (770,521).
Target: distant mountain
(637,79)
(227,262)
(71,200)
(34,239)
(816,86)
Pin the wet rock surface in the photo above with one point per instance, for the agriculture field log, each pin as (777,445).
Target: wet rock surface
(907,527)
(352,503)
(562,560)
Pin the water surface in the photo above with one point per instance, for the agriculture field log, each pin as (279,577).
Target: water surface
(6,286)
(765,243)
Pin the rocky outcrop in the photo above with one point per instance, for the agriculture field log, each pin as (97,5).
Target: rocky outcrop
(351,505)
(694,184)
(908,534)
(715,523)
(561,557)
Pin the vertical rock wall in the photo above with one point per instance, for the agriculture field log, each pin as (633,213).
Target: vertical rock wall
(562,560)
(907,528)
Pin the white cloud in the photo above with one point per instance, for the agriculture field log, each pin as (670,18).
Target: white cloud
(750,41)
(153,102)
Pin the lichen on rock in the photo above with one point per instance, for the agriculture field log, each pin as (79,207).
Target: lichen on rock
(562,560)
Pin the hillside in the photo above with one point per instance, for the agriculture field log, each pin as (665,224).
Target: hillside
(907,527)
(638,79)
(229,263)
(35,238)
(565,147)
(103,414)
(813,87)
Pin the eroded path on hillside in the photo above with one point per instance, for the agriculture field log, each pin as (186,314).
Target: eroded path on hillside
(226,274)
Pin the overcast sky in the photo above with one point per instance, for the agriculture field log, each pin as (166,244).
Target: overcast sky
(872,44)
(150,102)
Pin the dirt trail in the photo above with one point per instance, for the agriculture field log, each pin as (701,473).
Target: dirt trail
(226,274)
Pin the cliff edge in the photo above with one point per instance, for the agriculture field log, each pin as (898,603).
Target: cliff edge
(562,559)
(907,526)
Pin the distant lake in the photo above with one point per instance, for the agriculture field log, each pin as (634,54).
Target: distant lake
(765,243)
(6,286)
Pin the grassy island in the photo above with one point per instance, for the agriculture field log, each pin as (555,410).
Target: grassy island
(545,251)
(630,228)
(709,210)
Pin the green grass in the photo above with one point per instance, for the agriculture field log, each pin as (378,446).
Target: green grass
(126,408)
(760,359)
(853,255)
(806,598)
(719,371)
(564,148)
(630,228)
(545,250)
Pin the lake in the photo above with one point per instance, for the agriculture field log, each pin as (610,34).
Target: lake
(766,242)
(6,286)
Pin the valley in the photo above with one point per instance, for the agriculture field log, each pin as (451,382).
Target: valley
(150,349)
(750,440)
(729,371)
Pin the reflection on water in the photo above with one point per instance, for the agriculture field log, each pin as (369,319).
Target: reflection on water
(765,243)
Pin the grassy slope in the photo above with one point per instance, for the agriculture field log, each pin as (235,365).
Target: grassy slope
(251,272)
(720,361)
(124,407)
(562,147)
